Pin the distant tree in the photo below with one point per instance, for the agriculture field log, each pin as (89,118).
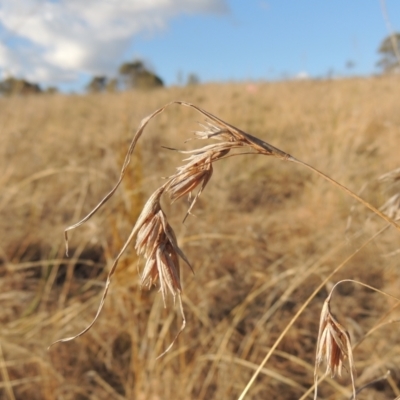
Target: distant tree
(192,79)
(14,86)
(131,68)
(389,50)
(97,84)
(136,75)
(147,80)
(112,85)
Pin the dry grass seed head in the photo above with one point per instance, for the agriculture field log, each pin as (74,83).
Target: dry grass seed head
(333,345)
(199,169)
(188,178)
(163,263)
(156,240)
(196,173)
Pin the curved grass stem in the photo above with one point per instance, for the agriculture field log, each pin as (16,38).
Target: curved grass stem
(349,192)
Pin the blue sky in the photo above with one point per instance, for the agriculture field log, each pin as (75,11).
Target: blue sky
(65,42)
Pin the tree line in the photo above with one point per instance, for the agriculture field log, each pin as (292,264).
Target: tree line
(135,74)
(16,86)
(131,75)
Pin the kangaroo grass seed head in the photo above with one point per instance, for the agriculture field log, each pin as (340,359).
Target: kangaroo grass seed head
(189,177)
(197,172)
(333,345)
(157,242)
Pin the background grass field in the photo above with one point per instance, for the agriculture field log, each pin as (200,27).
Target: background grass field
(264,235)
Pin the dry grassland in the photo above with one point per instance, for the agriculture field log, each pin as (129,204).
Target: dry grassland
(265,234)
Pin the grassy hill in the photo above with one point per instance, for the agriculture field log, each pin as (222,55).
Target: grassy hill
(265,234)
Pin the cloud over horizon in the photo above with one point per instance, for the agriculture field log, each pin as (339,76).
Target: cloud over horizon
(54,41)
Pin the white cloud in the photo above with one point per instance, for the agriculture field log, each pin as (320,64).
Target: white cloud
(302,75)
(55,40)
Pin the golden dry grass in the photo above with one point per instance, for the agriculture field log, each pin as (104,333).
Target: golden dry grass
(265,235)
